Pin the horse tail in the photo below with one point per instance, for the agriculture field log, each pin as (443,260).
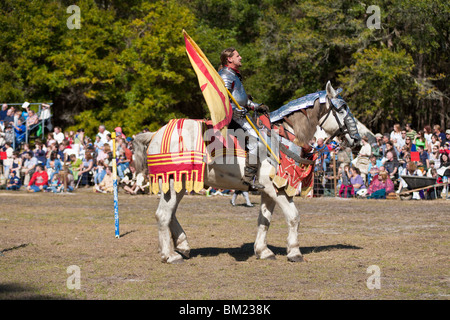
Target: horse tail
(140,144)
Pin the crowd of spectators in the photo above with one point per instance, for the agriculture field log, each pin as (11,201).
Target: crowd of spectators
(376,170)
(68,160)
(64,161)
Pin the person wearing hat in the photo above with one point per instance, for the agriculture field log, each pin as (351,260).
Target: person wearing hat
(447,135)
(119,133)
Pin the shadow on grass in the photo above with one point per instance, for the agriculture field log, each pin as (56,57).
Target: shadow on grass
(244,252)
(16,291)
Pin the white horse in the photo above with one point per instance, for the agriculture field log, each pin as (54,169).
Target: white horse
(172,239)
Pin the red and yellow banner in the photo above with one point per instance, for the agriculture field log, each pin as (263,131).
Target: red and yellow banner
(211,84)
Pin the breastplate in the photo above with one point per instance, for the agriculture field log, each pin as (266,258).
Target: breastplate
(234,85)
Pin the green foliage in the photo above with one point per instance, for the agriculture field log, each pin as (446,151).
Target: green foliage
(126,66)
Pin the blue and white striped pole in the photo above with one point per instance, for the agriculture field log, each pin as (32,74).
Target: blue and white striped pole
(116,193)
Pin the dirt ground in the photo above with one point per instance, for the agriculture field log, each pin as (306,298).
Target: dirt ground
(42,236)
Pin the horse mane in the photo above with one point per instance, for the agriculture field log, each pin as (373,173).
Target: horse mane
(140,144)
(305,126)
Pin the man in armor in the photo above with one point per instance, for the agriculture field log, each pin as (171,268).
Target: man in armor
(229,71)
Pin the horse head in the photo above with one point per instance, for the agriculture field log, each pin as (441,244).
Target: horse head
(341,123)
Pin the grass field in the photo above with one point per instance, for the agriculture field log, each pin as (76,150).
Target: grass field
(41,235)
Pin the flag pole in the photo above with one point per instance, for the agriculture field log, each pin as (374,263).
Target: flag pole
(200,52)
(116,196)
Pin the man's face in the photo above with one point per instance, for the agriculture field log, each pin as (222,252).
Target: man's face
(101,129)
(389,156)
(235,60)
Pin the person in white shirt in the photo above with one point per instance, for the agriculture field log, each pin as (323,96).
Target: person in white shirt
(58,135)
(102,132)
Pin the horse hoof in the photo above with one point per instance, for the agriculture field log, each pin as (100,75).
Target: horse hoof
(296,259)
(184,253)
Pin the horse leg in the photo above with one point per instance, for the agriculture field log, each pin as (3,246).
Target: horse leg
(293,221)
(179,237)
(168,204)
(264,218)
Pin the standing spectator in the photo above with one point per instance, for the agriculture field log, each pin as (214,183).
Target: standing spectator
(244,194)
(427,133)
(391,165)
(324,159)
(98,144)
(99,172)
(124,160)
(58,135)
(39,180)
(396,134)
(29,166)
(46,116)
(383,144)
(8,162)
(102,132)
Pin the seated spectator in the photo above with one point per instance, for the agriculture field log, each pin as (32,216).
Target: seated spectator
(411,170)
(54,165)
(435,156)
(20,132)
(98,144)
(3,112)
(363,159)
(435,192)
(423,157)
(17,163)
(356,180)
(40,152)
(32,122)
(14,182)
(50,140)
(99,172)
(438,132)
(107,184)
(434,143)
(381,186)
(29,166)
(58,135)
(75,164)
(391,165)
(410,133)
(39,180)
(346,190)
(86,168)
(374,167)
(55,185)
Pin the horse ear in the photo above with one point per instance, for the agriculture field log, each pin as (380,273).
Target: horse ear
(330,91)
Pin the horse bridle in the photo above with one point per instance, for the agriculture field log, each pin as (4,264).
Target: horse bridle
(349,125)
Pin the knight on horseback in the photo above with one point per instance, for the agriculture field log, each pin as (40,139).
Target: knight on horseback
(229,71)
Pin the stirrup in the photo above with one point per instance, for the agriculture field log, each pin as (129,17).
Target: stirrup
(255,186)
